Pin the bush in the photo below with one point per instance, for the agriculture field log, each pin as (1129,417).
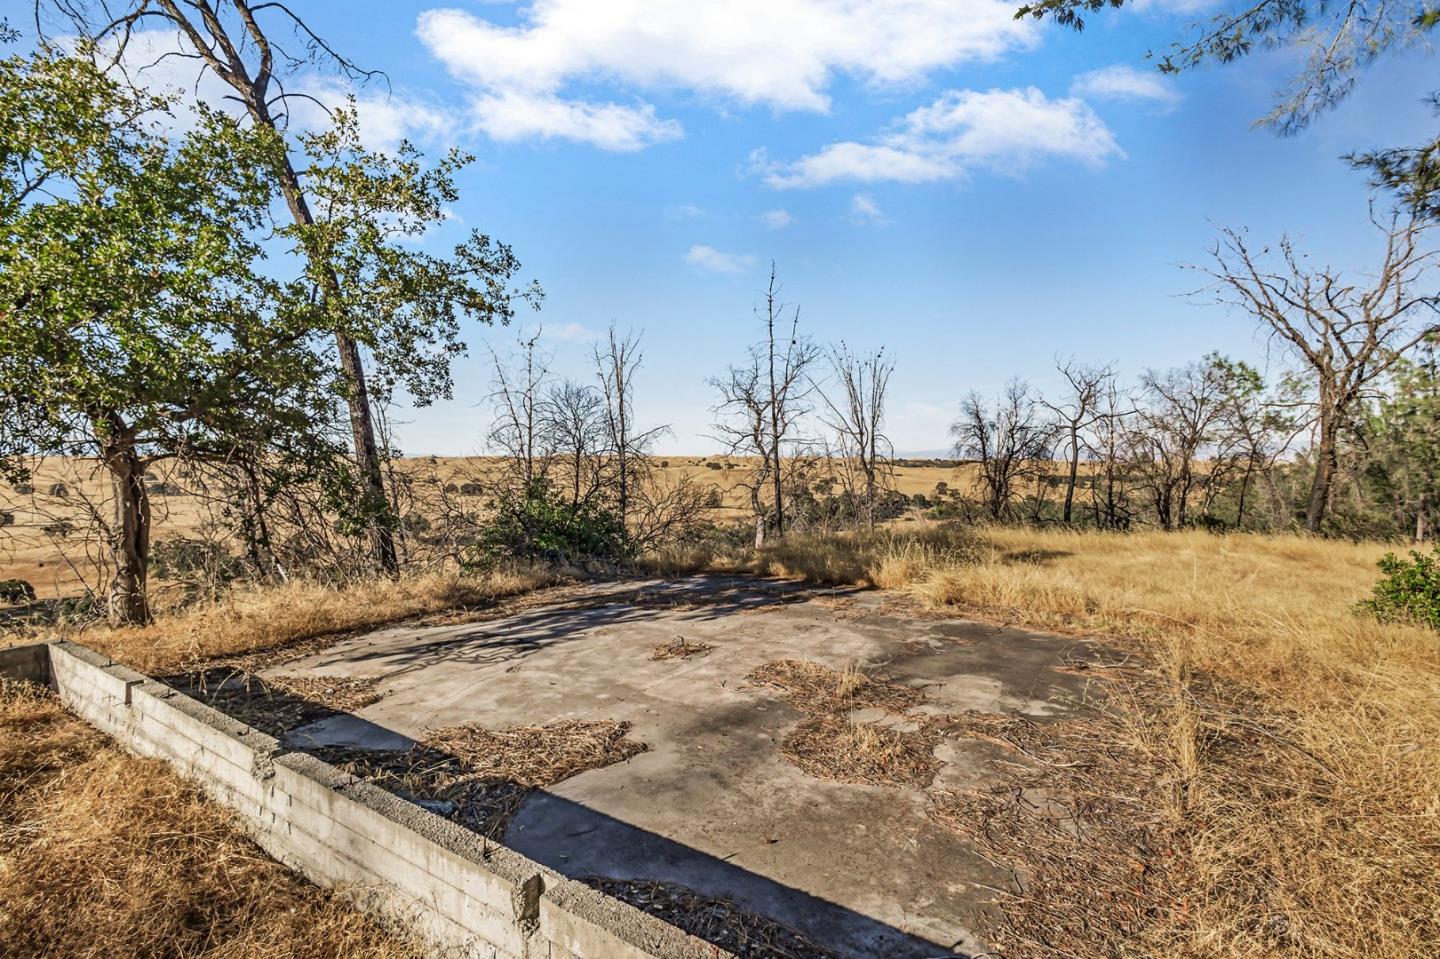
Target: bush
(183,558)
(540,524)
(1410,590)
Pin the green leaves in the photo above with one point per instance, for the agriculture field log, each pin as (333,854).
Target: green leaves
(1410,591)
(131,281)
(368,273)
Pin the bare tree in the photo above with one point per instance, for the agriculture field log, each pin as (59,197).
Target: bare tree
(856,417)
(1012,442)
(518,431)
(1107,436)
(1343,334)
(1086,386)
(742,419)
(1177,425)
(764,400)
(616,361)
(572,416)
(788,359)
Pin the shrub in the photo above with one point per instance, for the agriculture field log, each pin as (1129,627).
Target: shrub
(540,524)
(1410,590)
(189,559)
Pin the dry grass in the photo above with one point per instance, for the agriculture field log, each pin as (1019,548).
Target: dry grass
(718,921)
(679,648)
(104,856)
(813,688)
(843,750)
(829,744)
(536,756)
(258,619)
(479,777)
(1294,742)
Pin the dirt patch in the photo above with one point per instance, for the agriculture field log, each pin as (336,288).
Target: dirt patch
(479,777)
(277,704)
(536,756)
(842,750)
(718,921)
(813,688)
(679,648)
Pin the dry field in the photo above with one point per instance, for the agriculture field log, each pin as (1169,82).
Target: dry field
(1295,740)
(1292,742)
(45,543)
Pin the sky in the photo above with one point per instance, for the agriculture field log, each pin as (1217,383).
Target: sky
(978,195)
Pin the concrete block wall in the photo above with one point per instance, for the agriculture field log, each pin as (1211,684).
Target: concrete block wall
(467,896)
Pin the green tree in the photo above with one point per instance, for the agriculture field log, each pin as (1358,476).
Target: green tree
(134,322)
(1403,439)
(1336,40)
(372,283)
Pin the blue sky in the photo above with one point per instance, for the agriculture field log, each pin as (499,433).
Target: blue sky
(975,195)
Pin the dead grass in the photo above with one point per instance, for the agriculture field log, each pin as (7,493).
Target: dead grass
(257,619)
(718,921)
(536,756)
(843,750)
(1292,742)
(814,688)
(479,777)
(103,856)
(679,648)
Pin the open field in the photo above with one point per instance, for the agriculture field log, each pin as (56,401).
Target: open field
(1264,753)
(45,543)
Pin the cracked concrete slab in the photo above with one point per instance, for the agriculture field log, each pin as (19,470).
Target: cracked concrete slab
(713,805)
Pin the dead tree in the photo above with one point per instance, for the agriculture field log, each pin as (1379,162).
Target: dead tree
(856,417)
(1344,334)
(788,359)
(1086,385)
(241,53)
(615,364)
(1012,443)
(741,421)
(518,431)
(572,417)
(1178,423)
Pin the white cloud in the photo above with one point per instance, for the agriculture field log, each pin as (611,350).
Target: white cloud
(1002,130)
(713,261)
(864,209)
(684,211)
(1123,82)
(784,54)
(776,219)
(513,115)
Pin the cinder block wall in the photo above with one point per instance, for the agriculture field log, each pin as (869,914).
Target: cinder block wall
(467,896)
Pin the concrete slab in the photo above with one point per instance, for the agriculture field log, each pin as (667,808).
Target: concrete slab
(713,805)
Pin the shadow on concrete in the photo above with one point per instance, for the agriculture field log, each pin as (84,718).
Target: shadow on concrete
(572,839)
(518,635)
(590,846)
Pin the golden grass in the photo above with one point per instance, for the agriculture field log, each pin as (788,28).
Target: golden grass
(103,855)
(255,619)
(1299,743)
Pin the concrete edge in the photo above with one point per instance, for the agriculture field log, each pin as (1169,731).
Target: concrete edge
(576,918)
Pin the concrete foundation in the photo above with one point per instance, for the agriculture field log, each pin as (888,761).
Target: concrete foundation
(469,897)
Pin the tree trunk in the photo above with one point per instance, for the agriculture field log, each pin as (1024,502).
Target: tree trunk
(1326,464)
(362,424)
(1074,470)
(130,533)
